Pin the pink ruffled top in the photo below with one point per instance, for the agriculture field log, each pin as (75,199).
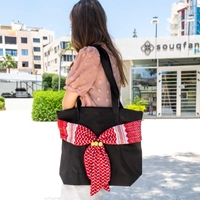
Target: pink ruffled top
(88,80)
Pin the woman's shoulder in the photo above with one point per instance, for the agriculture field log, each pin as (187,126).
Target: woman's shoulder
(88,50)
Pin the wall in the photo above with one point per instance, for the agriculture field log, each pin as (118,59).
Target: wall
(134,48)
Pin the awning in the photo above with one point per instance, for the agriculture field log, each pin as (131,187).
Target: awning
(21,77)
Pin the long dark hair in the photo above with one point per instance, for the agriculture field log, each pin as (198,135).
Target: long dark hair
(89,27)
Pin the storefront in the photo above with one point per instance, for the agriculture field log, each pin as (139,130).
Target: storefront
(165,72)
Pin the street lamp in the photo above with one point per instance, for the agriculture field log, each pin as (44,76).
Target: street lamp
(60,68)
(155,21)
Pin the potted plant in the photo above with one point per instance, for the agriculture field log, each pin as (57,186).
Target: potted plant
(138,104)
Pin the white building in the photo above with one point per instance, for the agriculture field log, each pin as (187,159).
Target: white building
(185,18)
(25,45)
(166,72)
(56,58)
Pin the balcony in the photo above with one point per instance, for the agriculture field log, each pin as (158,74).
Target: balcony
(173,20)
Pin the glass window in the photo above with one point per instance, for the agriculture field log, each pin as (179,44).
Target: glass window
(0,39)
(12,52)
(67,58)
(44,37)
(63,45)
(24,64)
(37,66)
(24,52)
(36,49)
(145,63)
(37,57)
(144,85)
(10,40)
(1,52)
(36,40)
(178,61)
(23,40)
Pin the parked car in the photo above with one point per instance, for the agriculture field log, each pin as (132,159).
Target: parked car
(21,93)
(7,95)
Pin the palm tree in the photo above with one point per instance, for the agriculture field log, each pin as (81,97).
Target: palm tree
(61,53)
(69,47)
(9,62)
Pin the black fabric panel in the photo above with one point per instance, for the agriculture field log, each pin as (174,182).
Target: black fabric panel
(126,164)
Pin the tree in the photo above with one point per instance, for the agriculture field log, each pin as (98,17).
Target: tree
(61,53)
(70,47)
(135,33)
(9,62)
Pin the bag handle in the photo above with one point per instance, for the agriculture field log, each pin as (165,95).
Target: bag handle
(105,60)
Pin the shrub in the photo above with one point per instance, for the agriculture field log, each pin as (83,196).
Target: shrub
(55,82)
(50,81)
(138,104)
(136,107)
(2,103)
(47,81)
(45,105)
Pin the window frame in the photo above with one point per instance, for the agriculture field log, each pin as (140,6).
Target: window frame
(37,67)
(23,62)
(12,54)
(36,56)
(36,40)
(24,38)
(24,50)
(9,38)
(36,50)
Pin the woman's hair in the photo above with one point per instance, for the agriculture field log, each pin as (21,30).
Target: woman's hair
(89,27)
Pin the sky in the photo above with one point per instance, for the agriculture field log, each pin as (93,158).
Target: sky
(123,16)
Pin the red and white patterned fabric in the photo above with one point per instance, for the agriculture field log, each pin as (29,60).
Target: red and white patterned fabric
(96,160)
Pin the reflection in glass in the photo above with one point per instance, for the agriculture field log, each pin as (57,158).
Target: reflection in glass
(144,85)
(188,93)
(169,93)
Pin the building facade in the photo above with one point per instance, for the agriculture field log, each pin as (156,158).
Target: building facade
(185,18)
(165,71)
(25,45)
(57,57)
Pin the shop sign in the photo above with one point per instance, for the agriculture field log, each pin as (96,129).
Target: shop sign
(147,47)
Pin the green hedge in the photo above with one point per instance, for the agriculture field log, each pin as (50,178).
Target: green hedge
(55,82)
(45,105)
(50,81)
(2,103)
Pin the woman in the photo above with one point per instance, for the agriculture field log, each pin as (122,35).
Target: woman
(87,79)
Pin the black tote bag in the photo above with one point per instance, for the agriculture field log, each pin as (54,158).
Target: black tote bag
(125,159)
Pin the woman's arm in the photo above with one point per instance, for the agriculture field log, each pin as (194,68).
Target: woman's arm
(69,99)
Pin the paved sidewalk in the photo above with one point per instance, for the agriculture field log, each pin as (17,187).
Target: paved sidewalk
(30,154)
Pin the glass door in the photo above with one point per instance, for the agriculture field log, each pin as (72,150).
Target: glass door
(169,93)
(177,93)
(188,93)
